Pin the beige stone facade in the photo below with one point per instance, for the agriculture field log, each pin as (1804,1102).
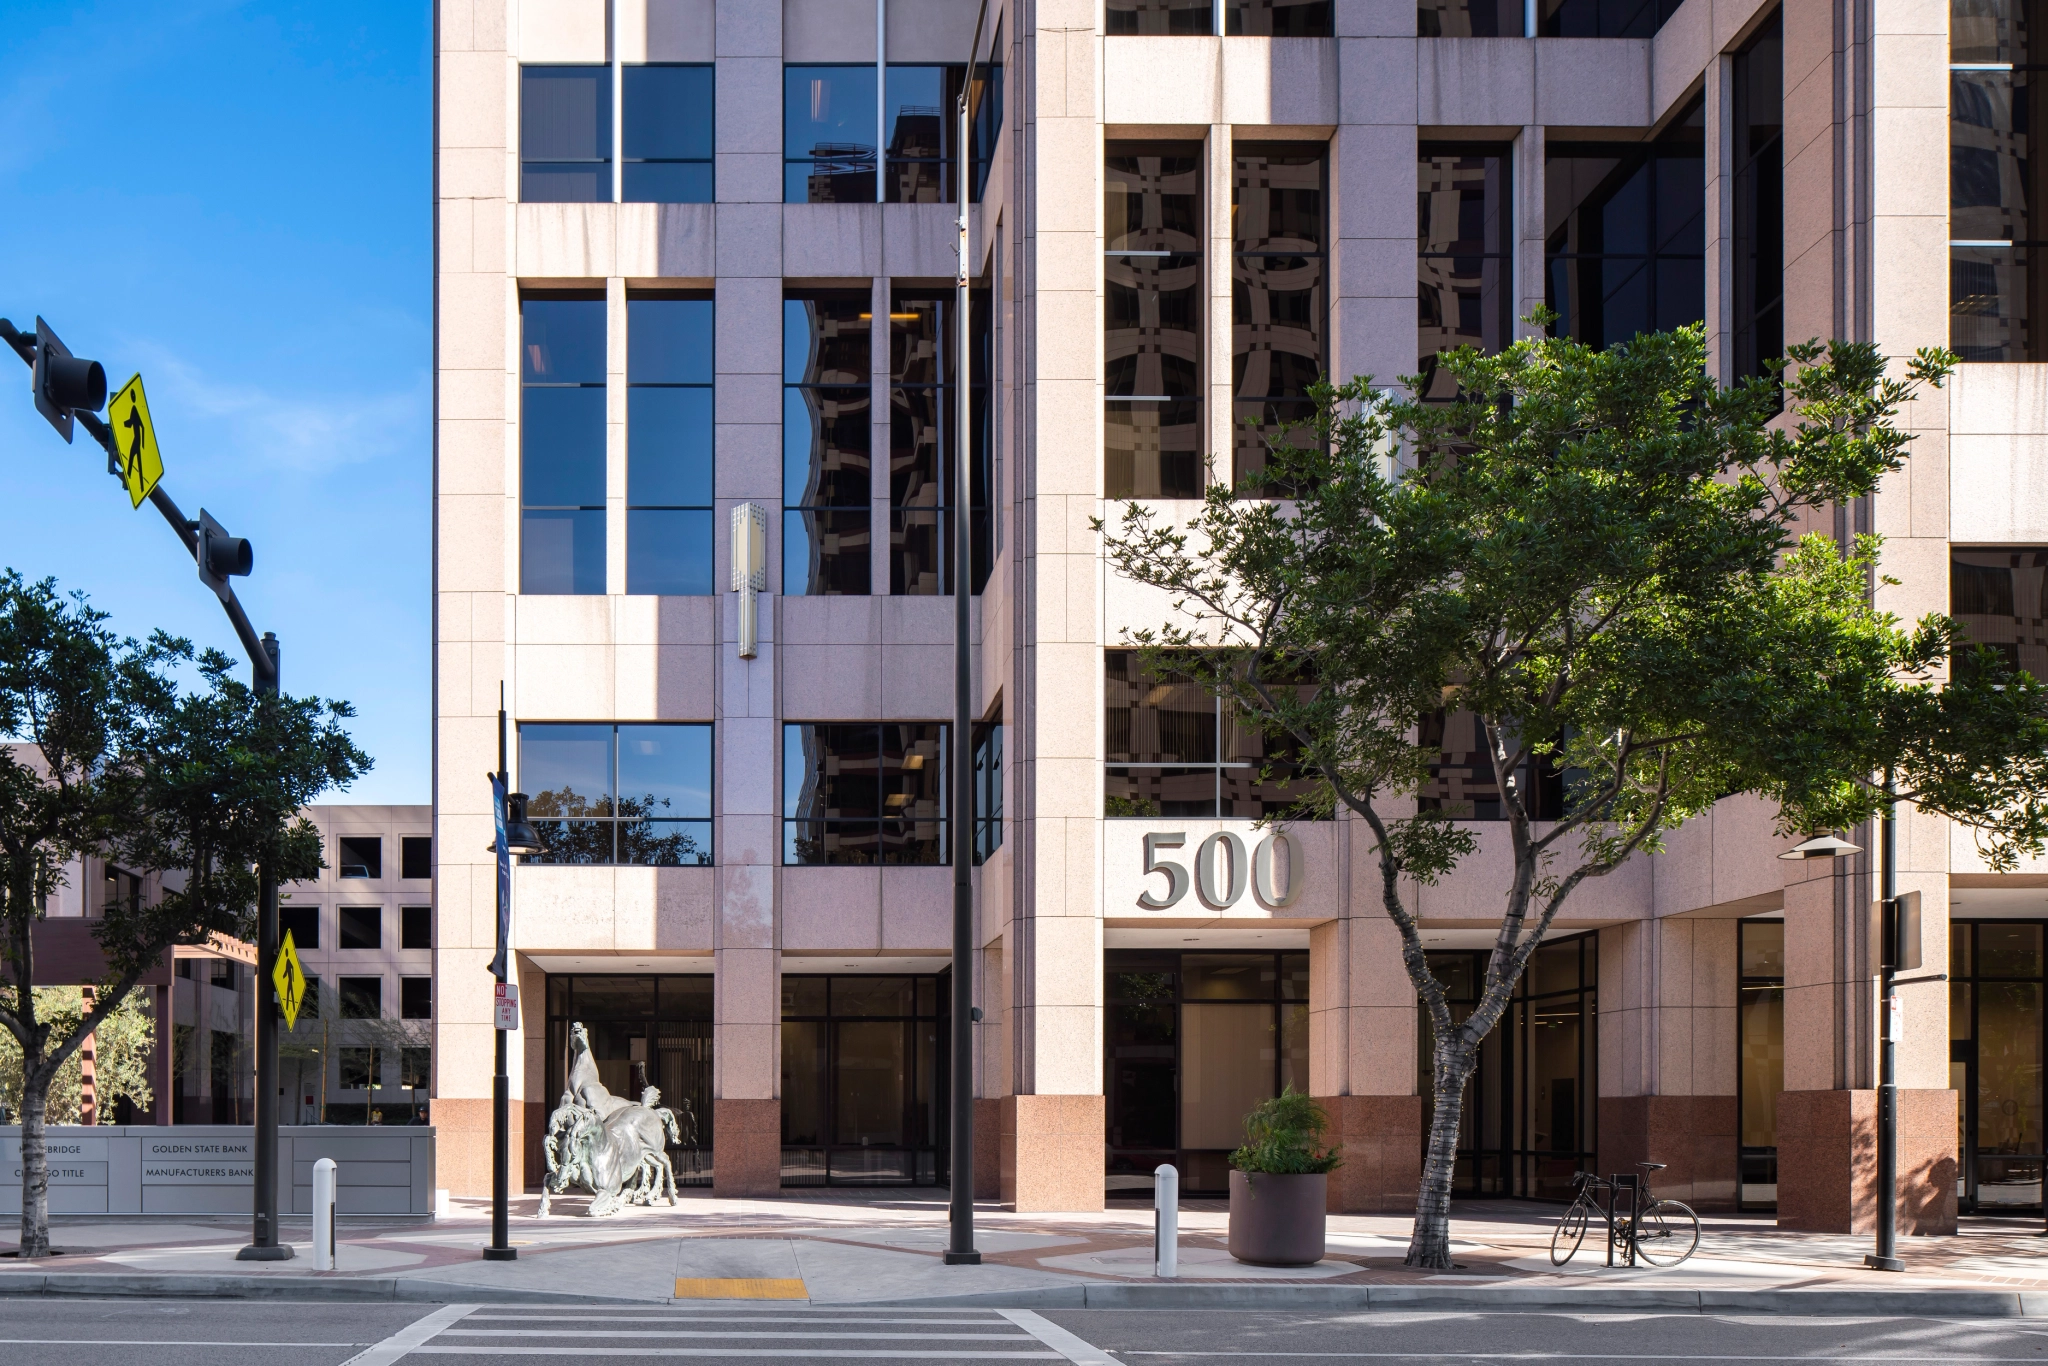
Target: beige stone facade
(1865,255)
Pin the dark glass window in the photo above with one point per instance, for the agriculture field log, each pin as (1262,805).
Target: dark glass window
(1758,333)
(923,346)
(626,794)
(828,134)
(2000,595)
(562,444)
(988,789)
(1760,1026)
(415,998)
(416,927)
(1997,1046)
(668,135)
(1279,18)
(565,134)
(1232,1026)
(1469,19)
(1625,229)
(362,927)
(415,1067)
(1173,749)
(862,793)
(669,444)
(416,857)
(358,1070)
(1995,119)
(360,856)
(302,923)
(827,439)
(1464,786)
(362,998)
(1464,255)
(862,1081)
(1159,17)
(922,158)
(1152,320)
(1279,298)
(1602,18)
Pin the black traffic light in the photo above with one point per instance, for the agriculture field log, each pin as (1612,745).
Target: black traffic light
(63,382)
(221,555)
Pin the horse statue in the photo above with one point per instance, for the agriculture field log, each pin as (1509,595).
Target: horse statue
(615,1148)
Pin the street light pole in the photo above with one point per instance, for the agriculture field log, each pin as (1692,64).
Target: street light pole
(510,835)
(960,1250)
(1886,1257)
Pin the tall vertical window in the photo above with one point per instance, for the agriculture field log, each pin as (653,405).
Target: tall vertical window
(668,135)
(561,443)
(2000,595)
(1761,1026)
(828,134)
(1758,331)
(1997,1049)
(1602,18)
(668,444)
(618,794)
(1996,219)
(923,414)
(864,793)
(921,160)
(1279,298)
(1625,234)
(565,134)
(988,789)
(1152,323)
(1159,17)
(1464,247)
(827,478)
(863,1080)
(1469,19)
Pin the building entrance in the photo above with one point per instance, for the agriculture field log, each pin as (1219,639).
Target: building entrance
(1996,1049)
(1528,1121)
(863,1080)
(1194,1041)
(644,1031)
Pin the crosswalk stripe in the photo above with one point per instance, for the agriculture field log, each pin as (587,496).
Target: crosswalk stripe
(409,1338)
(890,1354)
(992,1320)
(1073,1348)
(727,1333)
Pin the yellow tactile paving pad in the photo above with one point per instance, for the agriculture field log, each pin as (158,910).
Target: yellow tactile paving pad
(740,1288)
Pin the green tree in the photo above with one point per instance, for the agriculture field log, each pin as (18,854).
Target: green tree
(1596,556)
(195,785)
(123,1049)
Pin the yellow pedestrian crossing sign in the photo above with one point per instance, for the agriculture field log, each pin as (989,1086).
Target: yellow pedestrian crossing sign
(290,980)
(135,437)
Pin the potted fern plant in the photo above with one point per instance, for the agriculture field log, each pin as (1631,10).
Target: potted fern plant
(1279,1183)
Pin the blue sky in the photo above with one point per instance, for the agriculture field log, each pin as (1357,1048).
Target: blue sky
(234,199)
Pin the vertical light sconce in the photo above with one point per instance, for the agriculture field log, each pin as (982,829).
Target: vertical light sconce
(749,571)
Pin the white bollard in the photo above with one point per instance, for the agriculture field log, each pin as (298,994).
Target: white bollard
(1165,1221)
(323,1214)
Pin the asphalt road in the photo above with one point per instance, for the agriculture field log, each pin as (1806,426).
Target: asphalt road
(66,1332)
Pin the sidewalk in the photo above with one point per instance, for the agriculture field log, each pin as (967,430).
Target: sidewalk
(882,1247)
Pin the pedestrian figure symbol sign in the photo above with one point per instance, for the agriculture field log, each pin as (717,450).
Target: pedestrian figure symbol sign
(290,980)
(135,438)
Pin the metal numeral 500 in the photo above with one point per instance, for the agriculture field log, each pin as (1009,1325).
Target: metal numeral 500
(1226,847)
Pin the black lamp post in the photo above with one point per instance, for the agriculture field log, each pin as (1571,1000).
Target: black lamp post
(512,836)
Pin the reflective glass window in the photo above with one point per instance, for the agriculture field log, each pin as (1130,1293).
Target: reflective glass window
(669,457)
(562,444)
(827,439)
(618,794)
(1152,321)
(565,134)
(828,134)
(667,139)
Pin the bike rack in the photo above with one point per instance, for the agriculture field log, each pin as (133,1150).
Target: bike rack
(1633,1183)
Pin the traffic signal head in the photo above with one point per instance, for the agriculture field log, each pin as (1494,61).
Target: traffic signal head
(63,382)
(221,555)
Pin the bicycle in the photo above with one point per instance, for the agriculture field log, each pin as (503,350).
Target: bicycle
(1663,1232)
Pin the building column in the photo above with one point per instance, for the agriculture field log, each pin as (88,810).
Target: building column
(1363,1059)
(1668,1064)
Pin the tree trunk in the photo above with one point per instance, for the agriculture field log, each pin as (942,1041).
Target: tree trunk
(1429,1247)
(35,1162)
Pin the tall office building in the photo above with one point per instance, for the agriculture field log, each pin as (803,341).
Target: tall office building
(694,254)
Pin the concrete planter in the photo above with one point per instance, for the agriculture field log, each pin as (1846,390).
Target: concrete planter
(1277,1220)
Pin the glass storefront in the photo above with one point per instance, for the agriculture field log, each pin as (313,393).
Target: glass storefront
(1996,1047)
(1760,1026)
(644,1031)
(1194,1041)
(1529,1116)
(863,1069)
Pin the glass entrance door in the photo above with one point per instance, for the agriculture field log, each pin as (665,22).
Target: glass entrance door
(1996,1049)
(644,1031)
(863,1102)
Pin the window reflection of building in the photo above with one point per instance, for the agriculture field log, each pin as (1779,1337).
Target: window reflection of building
(1996,1050)
(1194,1041)
(863,1094)
(1279,297)
(644,1031)
(1465,295)
(1760,1026)
(1995,216)
(1529,1120)
(2000,595)
(1152,320)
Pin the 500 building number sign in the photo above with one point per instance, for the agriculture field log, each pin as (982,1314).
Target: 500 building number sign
(1257,869)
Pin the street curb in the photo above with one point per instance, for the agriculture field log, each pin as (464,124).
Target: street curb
(1823,1302)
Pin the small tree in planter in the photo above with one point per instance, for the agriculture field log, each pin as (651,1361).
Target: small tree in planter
(1279,1183)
